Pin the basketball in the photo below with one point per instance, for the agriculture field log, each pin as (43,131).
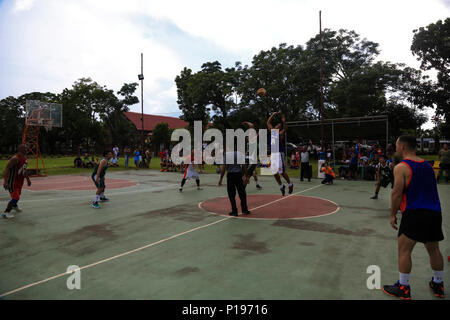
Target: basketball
(261,92)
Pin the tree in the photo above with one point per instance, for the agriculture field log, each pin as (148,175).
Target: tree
(431,46)
(12,121)
(354,85)
(161,135)
(191,100)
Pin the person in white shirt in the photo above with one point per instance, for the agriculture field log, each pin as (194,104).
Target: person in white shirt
(304,166)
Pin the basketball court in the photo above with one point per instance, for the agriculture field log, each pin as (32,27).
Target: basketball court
(153,242)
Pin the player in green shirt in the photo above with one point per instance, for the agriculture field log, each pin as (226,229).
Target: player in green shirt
(98,176)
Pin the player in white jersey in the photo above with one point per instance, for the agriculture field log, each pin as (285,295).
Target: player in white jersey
(190,171)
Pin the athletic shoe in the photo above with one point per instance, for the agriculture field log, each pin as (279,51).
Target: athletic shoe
(181,189)
(7,215)
(232,213)
(95,205)
(104,199)
(398,290)
(199,188)
(258,187)
(437,288)
(283,190)
(374,197)
(246,212)
(291,188)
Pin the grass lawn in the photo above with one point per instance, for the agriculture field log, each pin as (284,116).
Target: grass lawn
(64,165)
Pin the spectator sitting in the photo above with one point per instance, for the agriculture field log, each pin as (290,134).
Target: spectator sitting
(87,163)
(78,163)
(329,174)
(114,162)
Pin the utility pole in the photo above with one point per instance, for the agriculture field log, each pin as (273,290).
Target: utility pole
(321,83)
(141,77)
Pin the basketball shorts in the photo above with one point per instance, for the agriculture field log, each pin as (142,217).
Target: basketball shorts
(251,168)
(188,174)
(101,182)
(421,225)
(384,182)
(277,163)
(15,190)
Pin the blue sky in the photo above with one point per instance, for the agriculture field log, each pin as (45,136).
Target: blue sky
(48,44)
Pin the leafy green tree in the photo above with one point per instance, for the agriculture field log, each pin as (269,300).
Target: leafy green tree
(161,135)
(191,99)
(12,121)
(431,46)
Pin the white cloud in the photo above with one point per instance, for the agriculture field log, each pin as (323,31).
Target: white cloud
(23,5)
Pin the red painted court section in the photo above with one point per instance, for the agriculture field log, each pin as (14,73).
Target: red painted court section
(74,183)
(269,206)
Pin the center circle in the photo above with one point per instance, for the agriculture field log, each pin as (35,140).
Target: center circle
(270,206)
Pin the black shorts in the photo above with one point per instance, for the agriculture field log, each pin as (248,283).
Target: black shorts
(384,182)
(251,168)
(422,225)
(444,166)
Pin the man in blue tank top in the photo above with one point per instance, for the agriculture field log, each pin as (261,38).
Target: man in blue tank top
(415,194)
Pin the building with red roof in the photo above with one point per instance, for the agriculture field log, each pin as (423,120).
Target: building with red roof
(150,121)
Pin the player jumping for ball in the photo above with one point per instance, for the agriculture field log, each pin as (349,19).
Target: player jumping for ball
(13,177)
(277,158)
(98,176)
(190,172)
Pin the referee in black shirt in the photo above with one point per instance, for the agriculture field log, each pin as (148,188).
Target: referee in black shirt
(235,180)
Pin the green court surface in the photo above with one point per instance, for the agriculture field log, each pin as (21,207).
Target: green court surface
(153,242)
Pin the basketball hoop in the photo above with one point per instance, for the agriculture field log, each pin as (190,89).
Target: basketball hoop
(39,114)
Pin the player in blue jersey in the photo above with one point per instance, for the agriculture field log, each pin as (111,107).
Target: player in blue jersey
(415,194)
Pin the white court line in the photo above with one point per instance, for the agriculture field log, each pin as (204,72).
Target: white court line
(112,258)
(108,184)
(109,193)
(45,183)
(142,248)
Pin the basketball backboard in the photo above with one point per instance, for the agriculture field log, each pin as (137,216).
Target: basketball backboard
(45,114)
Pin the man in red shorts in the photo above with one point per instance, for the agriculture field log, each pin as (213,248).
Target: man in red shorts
(13,178)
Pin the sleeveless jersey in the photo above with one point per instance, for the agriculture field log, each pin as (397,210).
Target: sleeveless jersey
(385,171)
(103,172)
(274,136)
(17,172)
(421,189)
